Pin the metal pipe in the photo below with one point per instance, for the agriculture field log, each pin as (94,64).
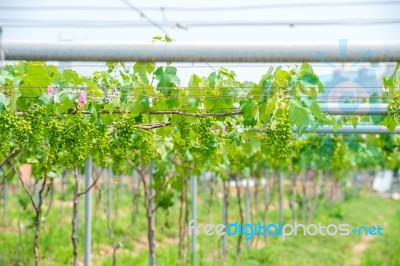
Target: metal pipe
(201,52)
(152,261)
(193,183)
(349,129)
(280,203)
(88,211)
(354,108)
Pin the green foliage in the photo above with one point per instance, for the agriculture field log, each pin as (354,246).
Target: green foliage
(140,113)
(392,91)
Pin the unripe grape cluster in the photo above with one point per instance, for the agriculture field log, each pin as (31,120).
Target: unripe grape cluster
(102,147)
(7,123)
(394,108)
(22,131)
(147,149)
(55,138)
(203,130)
(282,136)
(35,117)
(122,142)
(184,131)
(278,136)
(78,135)
(124,129)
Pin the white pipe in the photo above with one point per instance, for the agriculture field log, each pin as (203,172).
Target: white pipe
(200,52)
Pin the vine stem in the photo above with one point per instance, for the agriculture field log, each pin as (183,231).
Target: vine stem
(159,112)
(225,220)
(38,217)
(9,156)
(148,202)
(38,212)
(238,247)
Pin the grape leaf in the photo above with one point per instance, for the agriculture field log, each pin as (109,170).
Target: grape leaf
(299,115)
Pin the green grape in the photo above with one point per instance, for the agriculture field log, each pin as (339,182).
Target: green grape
(394,108)
(78,135)
(7,123)
(103,140)
(184,131)
(204,134)
(36,120)
(125,128)
(118,156)
(270,136)
(22,131)
(122,142)
(282,135)
(147,149)
(55,138)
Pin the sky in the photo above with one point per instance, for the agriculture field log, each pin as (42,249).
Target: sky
(130,18)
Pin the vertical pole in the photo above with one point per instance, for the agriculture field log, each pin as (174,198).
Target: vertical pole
(303,198)
(293,200)
(193,184)
(152,221)
(152,192)
(281,196)
(135,192)
(266,196)
(5,198)
(109,190)
(88,210)
(247,206)
(225,218)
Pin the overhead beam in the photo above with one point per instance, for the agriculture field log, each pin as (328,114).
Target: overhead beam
(360,129)
(338,108)
(200,52)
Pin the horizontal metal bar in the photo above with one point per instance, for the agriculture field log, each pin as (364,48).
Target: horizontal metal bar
(360,129)
(189,24)
(336,108)
(200,52)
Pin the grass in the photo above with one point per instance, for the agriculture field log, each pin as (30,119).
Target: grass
(385,251)
(16,234)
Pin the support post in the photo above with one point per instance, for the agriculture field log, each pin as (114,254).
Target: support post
(247,206)
(5,198)
(152,260)
(281,196)
(225,219)
(109,191)
(193,186)
(88,211)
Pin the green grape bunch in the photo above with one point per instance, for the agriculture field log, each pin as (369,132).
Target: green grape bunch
(394,108)
(282,136)
(148,150)
(184,131)
(102,146)
(124,129)
(36,117)
(7,124)
(55,139)
(22,131)
(203,131)
(122,141)
(78,137)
